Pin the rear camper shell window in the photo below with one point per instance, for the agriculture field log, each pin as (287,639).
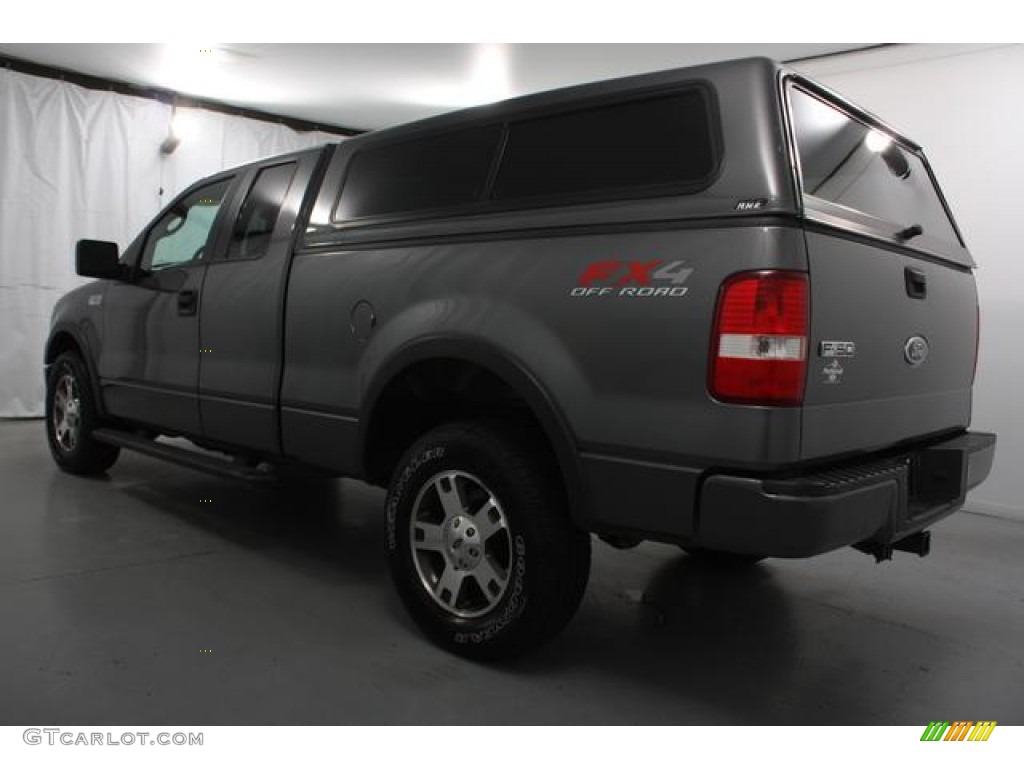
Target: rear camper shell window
(849,169)
(643,145)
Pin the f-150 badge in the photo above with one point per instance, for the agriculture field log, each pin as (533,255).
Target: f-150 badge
(836,349)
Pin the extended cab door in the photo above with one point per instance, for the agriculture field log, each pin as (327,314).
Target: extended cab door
(149,362)
(241,315)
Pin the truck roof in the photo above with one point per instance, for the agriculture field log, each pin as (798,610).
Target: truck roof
(757,67)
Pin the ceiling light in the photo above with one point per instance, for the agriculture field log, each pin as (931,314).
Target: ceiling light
(195,56)
(214,71)
(488,81)
(191,68)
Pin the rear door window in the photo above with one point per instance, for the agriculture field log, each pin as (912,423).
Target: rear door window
(848,163)
(258,216)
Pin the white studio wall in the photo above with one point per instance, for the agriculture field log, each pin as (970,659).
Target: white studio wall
(965,105)
(81,163)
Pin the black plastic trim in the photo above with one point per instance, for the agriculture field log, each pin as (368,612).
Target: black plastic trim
(87,357)
(182,456)
(837,480)
(760,471)
(871,504)
(510,370)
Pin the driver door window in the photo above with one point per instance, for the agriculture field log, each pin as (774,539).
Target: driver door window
(181,236)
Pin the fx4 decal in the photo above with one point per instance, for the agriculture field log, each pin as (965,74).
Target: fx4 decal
(633,278)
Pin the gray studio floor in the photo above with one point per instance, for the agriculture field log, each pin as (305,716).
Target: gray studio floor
(127,600)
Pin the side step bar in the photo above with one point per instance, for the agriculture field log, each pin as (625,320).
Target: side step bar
(183,456)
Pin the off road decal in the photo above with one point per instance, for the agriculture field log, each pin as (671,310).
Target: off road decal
(636,279)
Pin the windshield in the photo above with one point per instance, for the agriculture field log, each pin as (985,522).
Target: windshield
(846,162)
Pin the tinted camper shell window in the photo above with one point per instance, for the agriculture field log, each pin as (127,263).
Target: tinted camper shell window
(638,145)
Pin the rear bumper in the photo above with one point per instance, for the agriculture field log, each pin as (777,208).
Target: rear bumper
(876,502)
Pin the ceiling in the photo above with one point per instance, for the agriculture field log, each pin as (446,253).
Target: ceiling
(366,86)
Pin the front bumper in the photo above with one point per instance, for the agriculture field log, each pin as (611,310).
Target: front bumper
(873,503)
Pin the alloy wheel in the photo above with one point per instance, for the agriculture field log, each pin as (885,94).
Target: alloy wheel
(461,544)
(67,413)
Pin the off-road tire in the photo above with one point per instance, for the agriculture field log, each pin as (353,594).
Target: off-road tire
(74,450)
(548,559)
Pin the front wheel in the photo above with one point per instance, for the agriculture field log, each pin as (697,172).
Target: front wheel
(481,547)
(71,418)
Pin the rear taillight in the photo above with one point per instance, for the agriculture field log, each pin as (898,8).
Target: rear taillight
(759,346)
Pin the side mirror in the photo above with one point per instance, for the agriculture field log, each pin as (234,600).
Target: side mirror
(98,258)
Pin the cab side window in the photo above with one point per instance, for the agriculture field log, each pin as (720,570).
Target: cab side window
(258,216)
(181,236)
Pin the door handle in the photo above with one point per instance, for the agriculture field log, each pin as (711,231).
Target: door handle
(188,301)
(917,283)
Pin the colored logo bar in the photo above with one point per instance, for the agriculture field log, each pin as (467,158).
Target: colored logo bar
(960,730)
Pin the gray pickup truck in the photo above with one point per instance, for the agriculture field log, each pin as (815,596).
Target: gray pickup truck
(718,307)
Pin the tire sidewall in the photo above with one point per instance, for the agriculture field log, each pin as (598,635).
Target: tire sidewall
(64,365)
(450,450)
(88,456)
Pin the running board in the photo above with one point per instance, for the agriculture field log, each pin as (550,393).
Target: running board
(182,456)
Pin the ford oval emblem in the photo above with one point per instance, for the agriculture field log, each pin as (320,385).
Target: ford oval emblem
(915,350)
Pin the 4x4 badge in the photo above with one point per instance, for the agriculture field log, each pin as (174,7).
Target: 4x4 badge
(633,278)
(915,350)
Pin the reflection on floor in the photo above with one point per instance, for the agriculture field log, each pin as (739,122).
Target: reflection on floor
(130,600)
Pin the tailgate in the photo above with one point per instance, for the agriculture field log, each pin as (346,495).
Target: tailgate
(893,305)
(909,370)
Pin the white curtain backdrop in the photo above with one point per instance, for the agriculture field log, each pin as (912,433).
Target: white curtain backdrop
(80,163)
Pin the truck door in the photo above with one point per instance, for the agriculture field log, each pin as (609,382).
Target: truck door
(241,317)
(150,357)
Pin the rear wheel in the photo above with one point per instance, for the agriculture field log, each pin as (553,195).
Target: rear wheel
(480,544)
(71,418)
